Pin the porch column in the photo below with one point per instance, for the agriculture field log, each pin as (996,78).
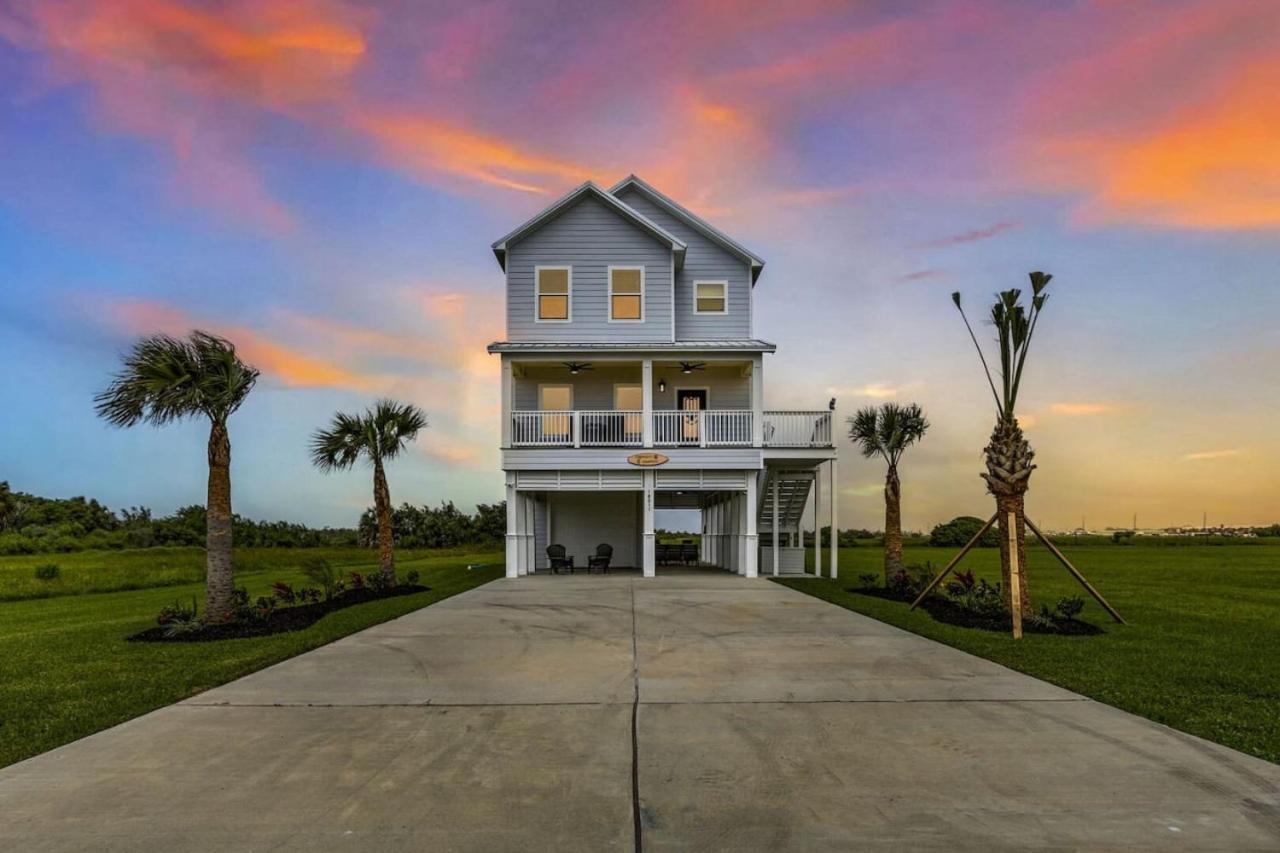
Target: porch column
(817,524)
(646,395)
(529,517)
(508,395)
(757,400)
(735,531)
(751,549)
(774,480)
(513,538)
(649,563)
(835,535)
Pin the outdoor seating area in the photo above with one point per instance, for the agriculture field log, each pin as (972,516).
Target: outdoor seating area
(676,553)
(559,561)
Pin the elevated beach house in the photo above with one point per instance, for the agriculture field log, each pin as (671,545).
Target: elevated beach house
(632,381)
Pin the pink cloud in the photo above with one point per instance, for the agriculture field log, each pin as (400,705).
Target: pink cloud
(972,236)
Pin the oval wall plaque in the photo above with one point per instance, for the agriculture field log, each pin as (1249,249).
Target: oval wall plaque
(648,460)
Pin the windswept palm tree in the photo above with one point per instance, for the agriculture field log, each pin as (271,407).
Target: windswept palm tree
(1008,454)
(165,379)
(887,431)
(377,435)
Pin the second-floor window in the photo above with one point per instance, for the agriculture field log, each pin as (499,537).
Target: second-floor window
(710,297)
(626,294)
(553,288)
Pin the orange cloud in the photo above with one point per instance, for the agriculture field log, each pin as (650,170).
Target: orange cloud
(430,149)
(291,367)
(1076,410)
(1163,130)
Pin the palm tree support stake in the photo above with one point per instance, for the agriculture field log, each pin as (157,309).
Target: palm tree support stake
(1053,549)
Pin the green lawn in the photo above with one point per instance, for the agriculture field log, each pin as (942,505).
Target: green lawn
(66,671)
(1201,652)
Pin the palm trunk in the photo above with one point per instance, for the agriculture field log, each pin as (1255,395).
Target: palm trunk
(892,524)
(382,507)
(1006,504)
(219,590)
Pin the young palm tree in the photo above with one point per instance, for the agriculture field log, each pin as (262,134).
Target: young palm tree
(164,380)
(1008,455)
(377,435)
(887,432)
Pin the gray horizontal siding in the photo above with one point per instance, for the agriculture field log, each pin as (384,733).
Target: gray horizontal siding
(589,237)
(705,260)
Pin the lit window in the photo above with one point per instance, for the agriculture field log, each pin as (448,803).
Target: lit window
(710,297)
(626,293)
(553,292)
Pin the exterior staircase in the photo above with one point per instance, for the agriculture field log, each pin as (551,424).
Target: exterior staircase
(793,494)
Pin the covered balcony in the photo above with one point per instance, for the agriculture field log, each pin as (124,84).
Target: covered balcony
(629,403)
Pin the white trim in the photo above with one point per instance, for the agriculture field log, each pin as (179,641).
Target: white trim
(720,281)
(542,385)
(537,292)
(673,297)
(608,277)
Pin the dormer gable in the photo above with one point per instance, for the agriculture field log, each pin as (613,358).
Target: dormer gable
(587,189)
(675,209)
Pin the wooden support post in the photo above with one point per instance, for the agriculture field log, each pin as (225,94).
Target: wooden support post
(956,559)
(1015,584)
(1053,549)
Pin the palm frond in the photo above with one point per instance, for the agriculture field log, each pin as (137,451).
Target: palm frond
(164,379)
(380,433)
(955,297)
(888,430)
(1015,327)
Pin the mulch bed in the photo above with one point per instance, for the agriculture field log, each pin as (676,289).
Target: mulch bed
(282,620)
(944,610)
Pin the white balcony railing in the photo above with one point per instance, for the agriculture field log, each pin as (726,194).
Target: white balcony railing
(797,429)
(577,429)
(704,428)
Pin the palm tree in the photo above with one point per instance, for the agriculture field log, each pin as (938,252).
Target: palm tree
(379,434)
(165,379)
(887,432)
(1008,455)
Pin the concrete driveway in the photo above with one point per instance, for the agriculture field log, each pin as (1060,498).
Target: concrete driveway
(689,712)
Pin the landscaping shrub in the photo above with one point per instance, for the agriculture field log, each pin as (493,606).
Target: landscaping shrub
(961,583)
(1069,607)
(909,581)
(356,580)
(869,580)
(411,577)
(284,592)
(48,571)
(321,572)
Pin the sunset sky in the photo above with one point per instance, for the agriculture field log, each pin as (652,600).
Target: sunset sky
(320,182)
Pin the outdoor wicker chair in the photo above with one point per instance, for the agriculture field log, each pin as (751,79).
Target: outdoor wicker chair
(558,560)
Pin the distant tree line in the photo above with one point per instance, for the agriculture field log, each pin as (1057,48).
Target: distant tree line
(30,524)
(442,527)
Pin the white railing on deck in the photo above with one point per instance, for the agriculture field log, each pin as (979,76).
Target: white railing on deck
(577,429)
(702,428)
(797,429)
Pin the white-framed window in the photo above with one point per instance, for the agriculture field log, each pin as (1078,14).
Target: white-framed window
(711,297)
(552,294)
(626,294)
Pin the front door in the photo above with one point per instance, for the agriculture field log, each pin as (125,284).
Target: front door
(691,400)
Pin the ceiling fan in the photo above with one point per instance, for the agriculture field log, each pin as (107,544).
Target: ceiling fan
(576,367)
(691,366)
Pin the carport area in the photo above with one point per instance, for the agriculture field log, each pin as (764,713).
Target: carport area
(694,711)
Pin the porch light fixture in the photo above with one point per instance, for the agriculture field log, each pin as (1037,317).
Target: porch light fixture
(662,386)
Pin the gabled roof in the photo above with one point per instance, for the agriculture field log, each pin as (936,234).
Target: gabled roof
(694,221)
(589,188)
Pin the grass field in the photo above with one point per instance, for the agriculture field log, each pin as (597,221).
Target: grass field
(66,671)
(1201,652)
